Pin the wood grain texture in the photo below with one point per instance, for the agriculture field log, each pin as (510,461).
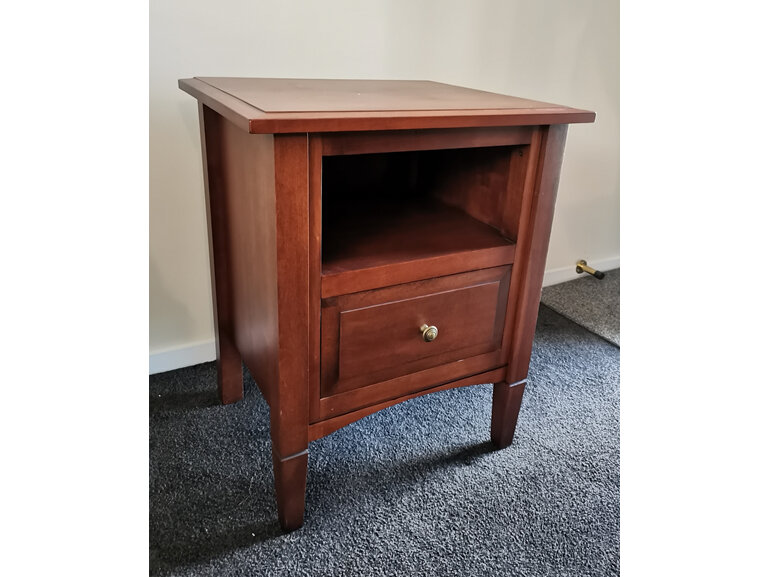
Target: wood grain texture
(289,414)
(229,373)
(344,143)
(522,176)
(243,179)
(406,384)
(289,418)
(274,95)
(374,336)
(474,181)
(229,107)
(384,212)
(315,232)
(249,179)
(350,214)
(521,165)
(387,244)
(522,113)
(385,335)
(265,182)
(328,426)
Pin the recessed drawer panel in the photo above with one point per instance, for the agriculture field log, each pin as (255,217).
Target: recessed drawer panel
(377,335)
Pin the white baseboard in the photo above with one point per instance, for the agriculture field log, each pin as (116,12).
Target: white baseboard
(182,356)
(205,351)
(567,273)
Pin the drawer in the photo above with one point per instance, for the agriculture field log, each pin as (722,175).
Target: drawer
(375,336)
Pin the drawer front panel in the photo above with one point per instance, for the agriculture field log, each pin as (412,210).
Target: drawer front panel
(377,337)
(374,336)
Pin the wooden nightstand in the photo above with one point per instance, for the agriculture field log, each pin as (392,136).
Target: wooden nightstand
(372,241)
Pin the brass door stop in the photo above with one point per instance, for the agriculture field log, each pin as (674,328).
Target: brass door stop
(582,267)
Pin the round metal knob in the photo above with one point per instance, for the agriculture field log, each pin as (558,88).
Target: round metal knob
(428,333)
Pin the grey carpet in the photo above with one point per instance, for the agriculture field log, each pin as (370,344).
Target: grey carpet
(415,489)
(591,303)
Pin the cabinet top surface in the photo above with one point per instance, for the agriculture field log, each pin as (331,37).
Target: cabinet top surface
(297,105)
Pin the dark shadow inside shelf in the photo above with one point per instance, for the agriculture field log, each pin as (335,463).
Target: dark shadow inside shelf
(389,208)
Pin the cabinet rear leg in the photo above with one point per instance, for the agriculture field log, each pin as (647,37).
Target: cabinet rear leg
(506,402)
(229,371)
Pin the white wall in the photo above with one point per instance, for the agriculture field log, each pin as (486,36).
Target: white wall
(563,52)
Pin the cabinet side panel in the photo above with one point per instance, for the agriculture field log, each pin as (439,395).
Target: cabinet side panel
(229,362)
(486,183)
(472,179)
(520,174)
(248,173)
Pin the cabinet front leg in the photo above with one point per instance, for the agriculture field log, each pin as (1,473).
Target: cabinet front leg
(506,402)
(290,480)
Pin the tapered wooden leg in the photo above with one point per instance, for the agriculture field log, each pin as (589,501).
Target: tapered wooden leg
(290,481)
(506,402)
(527,277)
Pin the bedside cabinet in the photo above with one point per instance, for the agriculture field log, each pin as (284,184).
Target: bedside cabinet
(372,241)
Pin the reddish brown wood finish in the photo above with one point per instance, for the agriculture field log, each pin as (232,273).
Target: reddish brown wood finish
(506,402)
(529,268)
(394,388)
(229,373)
(477,182)
(289,414)
(290,481)
(328,426)
(321,265)
(521,168)
(374,336)
(314,269)
(264,182)
(380,337)
(245,177)
(255,120)
(386,246)
(281,95)
(343,143)
(535,229)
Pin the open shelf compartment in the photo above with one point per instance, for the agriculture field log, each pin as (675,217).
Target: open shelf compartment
(398,217)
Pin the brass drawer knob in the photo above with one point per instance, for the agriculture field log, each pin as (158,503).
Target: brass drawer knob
(429,333)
